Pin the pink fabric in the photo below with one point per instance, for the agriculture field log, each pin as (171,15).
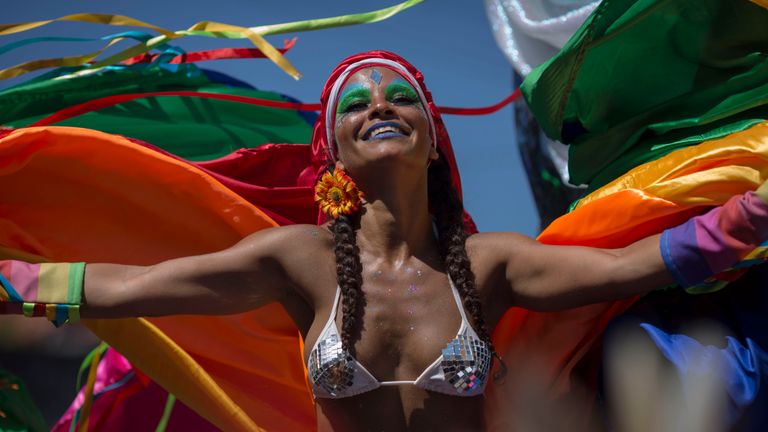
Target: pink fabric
(24,278)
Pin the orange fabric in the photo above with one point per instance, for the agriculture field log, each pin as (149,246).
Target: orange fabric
(643,202)
(70,194)
(59,194)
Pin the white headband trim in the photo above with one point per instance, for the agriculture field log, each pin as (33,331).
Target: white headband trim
(330,109)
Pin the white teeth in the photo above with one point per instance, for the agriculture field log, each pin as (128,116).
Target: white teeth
(381,130)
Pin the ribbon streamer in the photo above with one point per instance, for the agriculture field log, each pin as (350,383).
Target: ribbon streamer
(207,55)
(203,28)
(101,103)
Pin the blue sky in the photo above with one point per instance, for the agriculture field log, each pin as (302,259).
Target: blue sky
(449,40)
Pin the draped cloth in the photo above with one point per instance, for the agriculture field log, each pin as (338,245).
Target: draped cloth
(73,194)
(120,197)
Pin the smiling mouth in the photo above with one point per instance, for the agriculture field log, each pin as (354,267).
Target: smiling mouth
(384,130)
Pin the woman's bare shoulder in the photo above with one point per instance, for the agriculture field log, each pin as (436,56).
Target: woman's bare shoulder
(304,252)
(490,255)
(495,246)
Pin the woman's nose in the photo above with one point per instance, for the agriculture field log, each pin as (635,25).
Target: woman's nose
(380,106)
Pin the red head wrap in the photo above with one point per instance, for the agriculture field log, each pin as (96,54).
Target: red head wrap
(321,148)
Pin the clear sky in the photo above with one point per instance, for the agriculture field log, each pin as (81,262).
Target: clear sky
(449,40)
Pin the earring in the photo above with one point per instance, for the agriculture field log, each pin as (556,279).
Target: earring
(337,194)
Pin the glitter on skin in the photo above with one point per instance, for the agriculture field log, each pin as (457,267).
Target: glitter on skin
(376,76)
(412,288)
(419,273)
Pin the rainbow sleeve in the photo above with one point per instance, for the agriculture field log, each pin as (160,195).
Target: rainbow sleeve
(706,252)
(50,290)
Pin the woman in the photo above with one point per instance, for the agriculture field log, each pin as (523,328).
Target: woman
(394,299)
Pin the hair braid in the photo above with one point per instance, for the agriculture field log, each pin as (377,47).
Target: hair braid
(452,237)
(349,277)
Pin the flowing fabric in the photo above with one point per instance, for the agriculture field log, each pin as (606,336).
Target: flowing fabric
(130,202)
(663,102)
(152,230)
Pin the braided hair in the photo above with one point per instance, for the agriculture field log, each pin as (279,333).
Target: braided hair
(452,235)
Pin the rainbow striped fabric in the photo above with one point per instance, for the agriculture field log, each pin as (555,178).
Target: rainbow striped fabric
(50,290)
(710,250)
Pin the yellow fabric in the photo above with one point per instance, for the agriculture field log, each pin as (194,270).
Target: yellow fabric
(172,368)
(85,410)
(50,312)
(120,20)
(706,174)
(53,283)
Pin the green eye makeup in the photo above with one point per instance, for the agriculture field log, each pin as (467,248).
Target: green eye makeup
(352,95)
(400,88)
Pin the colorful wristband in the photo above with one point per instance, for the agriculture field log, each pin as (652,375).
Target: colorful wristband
(50,290)
(709,250)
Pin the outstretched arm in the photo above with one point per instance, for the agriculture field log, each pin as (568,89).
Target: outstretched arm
(543,277)
(549,278)
(243,277)
(247,275)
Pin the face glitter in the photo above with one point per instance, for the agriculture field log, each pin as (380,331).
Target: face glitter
(412,288)
(408,270)
(376,76)
(419,273)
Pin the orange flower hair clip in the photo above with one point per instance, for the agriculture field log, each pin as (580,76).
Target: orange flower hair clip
(337,194)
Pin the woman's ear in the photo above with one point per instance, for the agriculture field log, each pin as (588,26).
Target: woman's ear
(433,154)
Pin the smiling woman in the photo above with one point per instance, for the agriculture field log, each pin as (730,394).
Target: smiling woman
(418,288)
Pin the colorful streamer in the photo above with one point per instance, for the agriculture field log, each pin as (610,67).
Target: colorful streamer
(202,28)
(208,55)
(105,102)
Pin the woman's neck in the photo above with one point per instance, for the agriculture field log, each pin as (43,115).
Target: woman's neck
(395,223)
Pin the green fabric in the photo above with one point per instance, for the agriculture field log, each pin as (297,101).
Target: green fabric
(642,78)
(75,283)
(193,128)
(19,412)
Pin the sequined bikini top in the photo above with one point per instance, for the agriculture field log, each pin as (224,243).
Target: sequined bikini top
(461,370)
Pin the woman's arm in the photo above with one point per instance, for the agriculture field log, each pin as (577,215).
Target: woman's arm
(550,278)
(543,277)
(243,277)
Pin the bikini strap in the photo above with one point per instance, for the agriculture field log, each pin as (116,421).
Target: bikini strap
(332,318)
(459,304)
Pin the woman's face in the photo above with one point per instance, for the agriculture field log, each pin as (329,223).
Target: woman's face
(379,117)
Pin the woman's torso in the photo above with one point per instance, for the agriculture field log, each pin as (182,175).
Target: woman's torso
(407,316)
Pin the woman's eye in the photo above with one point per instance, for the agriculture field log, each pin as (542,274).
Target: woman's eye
(403,99)
(355,106)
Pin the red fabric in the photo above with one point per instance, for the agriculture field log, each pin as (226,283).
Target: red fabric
(482,110)
(101,103)
(214,54)
(320,156)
